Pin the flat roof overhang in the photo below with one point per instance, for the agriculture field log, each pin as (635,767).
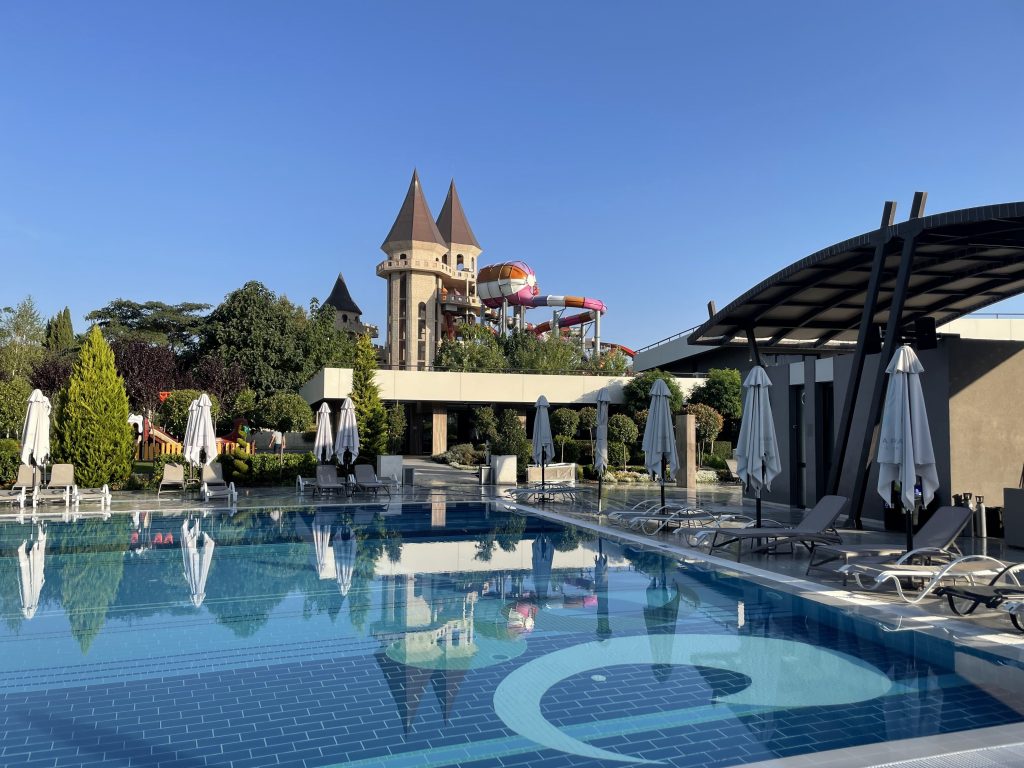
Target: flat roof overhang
(963,261)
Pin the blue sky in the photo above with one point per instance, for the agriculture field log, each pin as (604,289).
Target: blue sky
(653,155)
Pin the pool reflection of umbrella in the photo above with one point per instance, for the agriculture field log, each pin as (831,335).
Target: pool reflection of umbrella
(325,564)
(344,558)
(543,558)
(31,561)
(660,616)
(604,629)
(196,555)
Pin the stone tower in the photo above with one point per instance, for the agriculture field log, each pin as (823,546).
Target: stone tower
(431,283)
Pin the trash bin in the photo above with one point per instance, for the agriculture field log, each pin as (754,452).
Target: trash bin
(485,475)
(408,476)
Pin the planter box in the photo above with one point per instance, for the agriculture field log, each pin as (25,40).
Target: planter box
(560,474)
(503,470)
(389,467)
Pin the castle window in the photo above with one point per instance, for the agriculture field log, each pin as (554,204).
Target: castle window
(344,318)
(402,257)
(458,263)
(444,259)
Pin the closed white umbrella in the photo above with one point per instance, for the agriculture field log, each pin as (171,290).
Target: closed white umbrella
(659,444)
(31,562)
(347,438)
(196,555)
(601,442)
(200,446)
(190,427)
(35,432)
(543,443)
(345,558)
(905,449)
(323,444)
(757,452)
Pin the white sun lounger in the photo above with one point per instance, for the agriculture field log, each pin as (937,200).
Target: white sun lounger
(873,576)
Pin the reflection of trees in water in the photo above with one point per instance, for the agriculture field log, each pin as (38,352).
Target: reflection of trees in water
(91,575)
(370,546)
(506,535)
(570,538)
(10,592)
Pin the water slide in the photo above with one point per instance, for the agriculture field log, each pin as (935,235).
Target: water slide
(515,284)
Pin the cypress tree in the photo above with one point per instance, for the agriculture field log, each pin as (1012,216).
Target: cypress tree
(371,416)
(92,418)
(60,333)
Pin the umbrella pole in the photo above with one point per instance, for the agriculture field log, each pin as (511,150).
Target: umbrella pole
(543,457)
(758,513)
(600,483)
(664,462)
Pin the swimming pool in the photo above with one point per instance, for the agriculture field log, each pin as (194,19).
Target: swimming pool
(435,634)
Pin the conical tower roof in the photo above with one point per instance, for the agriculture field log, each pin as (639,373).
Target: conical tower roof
(452,222)
(414,221)
(341,299)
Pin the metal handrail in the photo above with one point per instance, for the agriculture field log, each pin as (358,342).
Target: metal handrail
(667,339)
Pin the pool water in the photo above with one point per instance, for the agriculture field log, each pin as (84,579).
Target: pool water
(437,634)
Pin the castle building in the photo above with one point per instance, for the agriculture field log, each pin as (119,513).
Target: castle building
(430,269)
(347,314)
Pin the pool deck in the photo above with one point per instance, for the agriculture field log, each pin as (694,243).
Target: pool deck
(991,633)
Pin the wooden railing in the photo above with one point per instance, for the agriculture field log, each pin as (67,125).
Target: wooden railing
(169,448)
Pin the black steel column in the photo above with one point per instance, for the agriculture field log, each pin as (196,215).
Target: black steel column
(892,339)
(884,234)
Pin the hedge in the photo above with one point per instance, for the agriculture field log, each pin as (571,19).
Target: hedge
(10,458)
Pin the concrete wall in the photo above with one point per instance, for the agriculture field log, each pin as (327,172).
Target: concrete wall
(986,416)
(476,388)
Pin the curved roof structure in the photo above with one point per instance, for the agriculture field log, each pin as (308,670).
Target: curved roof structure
(963,261)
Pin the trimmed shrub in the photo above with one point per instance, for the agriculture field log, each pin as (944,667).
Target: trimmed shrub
(711,461)
(512,441)
(285,411)
(259,469)
(564,423)
(722,449)
(173,411)
(464,454)
(618,455)
(10,458)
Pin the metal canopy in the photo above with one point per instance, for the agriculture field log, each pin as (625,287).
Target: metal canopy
(963,261)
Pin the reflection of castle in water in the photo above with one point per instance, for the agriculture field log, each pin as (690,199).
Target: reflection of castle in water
(427,637)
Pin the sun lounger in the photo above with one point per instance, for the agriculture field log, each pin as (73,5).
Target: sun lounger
(327,479)
(102,495)
(174,475)
(366,480)
(303,484)
(817,527)
(938,534)
(60,487)
(539,493)
(927,576)
(213,485)
(1003,592)
(24,487)
(670,517)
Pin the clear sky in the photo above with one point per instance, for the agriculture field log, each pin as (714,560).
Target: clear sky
(653,155)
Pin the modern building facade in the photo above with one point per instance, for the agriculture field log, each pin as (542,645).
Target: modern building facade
(430,270)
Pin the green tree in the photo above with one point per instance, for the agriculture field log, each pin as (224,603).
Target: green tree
(285,411)
(476,349)
(60,333)
(371,417)
(173,413)
(612,363)
(244,406)
(397,426)
(564,423)
(21,338)
(276,344)
(708,425)
(177,326)
(622,429)
(485,424)
(92,429)
(13,402)
(640,417)
(512,440)
(552,354)
(638,392)
(723,391)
